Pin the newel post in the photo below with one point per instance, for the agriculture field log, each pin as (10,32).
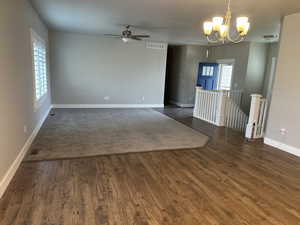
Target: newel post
(253,116)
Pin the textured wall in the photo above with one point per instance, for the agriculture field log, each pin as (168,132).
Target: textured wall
(285,105)
(86,69)
(16,86)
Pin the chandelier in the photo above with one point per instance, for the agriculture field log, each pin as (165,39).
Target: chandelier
(219,29)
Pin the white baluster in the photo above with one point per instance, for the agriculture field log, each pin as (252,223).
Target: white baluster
(220,108)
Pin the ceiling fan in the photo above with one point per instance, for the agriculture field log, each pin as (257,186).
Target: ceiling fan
(128,36)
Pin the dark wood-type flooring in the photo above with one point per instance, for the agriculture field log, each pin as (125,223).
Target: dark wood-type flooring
(229,182)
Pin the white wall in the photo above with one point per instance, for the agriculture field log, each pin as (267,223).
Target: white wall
(87,68)
(285,105)
(16,80)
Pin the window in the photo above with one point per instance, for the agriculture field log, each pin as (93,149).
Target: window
(208,71)
(39,52)
(225,77)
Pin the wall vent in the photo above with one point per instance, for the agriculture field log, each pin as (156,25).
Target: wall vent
(156,45)
(270,36)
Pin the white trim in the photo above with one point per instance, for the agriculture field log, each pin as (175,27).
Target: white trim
(105,106)
(282,146)
(181,104)
(186,105)
(226,61)
(15,165)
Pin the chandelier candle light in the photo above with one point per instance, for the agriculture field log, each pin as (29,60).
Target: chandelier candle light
(218,30)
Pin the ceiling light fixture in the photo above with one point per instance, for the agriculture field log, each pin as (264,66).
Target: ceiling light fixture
(219,30)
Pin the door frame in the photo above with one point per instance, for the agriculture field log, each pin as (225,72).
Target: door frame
(271,78)
(270,88)
(227,61)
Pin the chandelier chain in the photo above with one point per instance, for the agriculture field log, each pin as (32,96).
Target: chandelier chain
(228,5)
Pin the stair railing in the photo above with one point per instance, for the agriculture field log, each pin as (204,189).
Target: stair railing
(235,117)
(210,106)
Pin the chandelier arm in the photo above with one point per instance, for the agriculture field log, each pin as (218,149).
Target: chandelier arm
(211,40)
(236,40)
(241,39)
(217,36)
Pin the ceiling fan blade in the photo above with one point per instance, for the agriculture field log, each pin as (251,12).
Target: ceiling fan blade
(141,36)
(135,38)
(113,35)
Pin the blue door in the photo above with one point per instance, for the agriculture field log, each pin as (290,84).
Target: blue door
(208,75)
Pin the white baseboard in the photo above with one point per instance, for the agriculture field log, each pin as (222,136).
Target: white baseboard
(105,106)
(181,104)
(15,165)
(282,146)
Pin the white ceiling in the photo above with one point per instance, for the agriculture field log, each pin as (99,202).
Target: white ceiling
(172,21)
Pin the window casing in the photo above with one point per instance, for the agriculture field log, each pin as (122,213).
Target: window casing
(39,56)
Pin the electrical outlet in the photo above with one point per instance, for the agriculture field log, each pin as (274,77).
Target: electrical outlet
(283,131)
(25,129)
(143,98)
(106,98)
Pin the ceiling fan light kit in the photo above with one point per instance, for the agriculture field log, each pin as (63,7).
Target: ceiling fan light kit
(219,29)
(125,40)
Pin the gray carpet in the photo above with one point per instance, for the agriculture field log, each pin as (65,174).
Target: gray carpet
(74,133)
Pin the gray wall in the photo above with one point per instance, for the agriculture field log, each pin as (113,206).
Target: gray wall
(183,63)
(16,86)
(254,81)
(194,55)
(272,52)
(249,68)
(238,52)
(87,68)
(285,105)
